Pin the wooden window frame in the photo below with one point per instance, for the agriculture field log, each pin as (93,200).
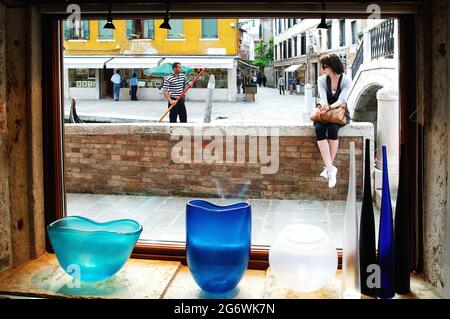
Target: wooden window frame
(411,134)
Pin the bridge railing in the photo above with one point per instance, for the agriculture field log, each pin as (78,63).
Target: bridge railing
(378,42)
(382,40)
(359,59)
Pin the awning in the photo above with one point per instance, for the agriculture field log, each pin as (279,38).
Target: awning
(85,62)
(248,65)
(140,62)
(131,62)
(203,62)
(295,67)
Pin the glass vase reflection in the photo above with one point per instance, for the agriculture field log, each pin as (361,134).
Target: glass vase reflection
(91,251)
(218,242)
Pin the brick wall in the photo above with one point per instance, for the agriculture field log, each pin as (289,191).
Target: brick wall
(137,160)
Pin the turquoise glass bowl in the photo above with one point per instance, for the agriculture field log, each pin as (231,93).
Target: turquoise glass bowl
(91,251)
(218,242)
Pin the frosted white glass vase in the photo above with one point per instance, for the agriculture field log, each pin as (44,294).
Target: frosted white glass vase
(351,288)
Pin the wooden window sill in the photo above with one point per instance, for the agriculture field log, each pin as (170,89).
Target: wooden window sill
(157,279)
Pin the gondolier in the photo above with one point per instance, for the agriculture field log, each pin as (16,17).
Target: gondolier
(173,86)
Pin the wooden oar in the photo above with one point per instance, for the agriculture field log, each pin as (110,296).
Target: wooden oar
(182,94)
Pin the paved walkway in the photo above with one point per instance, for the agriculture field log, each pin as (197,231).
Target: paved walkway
(268,106)
(163,218)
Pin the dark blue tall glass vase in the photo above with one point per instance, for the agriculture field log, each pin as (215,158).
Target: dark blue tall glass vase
(218,242)
(386,238)
(367,244)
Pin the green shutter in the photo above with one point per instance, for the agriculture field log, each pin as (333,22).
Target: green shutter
(151,28)
(177,29)
(85,30)
(66,31)
(104,34)
(209,28)
(129,29)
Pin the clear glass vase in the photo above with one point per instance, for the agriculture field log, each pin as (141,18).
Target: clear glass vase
(351,287)
(91,251)
(218,242)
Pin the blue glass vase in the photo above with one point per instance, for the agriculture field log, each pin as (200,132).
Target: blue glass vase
(386,238)
(218,242)
(91,251)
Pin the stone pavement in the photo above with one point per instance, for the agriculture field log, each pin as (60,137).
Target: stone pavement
(163,218)
(269,106)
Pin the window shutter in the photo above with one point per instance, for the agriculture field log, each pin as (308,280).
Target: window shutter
(209,28)
(86,30)
(151,28)
(66,31)
(129,29)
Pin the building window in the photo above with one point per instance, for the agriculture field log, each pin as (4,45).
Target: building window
(279,26)
(354,33)
(284,49)
(315,73)
(82,78)
(76,33)
(289,48)
(320,40)
(209,29)
(303,44)
(220,75)
(104,34)
(275,53)
(341,33)
(140,29)
(177,29)
(295,46)
(329,37)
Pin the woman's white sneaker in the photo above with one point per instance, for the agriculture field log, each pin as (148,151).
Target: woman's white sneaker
(324,173)
(332,172)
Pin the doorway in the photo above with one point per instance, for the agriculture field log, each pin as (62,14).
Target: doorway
(106,90)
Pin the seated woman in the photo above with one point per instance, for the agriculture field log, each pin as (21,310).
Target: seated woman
(334,87)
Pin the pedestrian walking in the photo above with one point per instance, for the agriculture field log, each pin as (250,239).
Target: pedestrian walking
(264,80)
(254,80)
(291,86)
(281,85)
(116,79)
(134,87)
(173,86)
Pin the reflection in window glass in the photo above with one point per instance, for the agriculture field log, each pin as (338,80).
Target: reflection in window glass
(82,78)
(76,32)
(221,77)
(144,80)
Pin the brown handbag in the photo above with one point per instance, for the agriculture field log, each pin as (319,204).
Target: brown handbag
(338,115)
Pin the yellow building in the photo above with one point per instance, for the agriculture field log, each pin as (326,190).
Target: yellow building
(92,54)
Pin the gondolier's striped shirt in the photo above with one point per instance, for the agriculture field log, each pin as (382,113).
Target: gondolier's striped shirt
(175,84)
